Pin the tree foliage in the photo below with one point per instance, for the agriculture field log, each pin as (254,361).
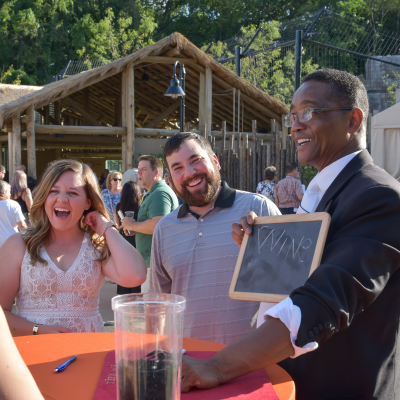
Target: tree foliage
(40,36)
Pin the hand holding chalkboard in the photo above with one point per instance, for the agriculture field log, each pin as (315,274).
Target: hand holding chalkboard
(279,256)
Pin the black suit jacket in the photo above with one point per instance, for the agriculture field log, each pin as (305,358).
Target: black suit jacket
(350,305)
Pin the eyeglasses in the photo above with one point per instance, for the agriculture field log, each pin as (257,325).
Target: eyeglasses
(117,179)
(306,114)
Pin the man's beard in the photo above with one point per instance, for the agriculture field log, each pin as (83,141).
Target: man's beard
(213,182)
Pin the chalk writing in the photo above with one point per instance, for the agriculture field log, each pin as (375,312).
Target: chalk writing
(292,250)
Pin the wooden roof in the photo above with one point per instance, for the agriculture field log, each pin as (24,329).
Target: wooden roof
(9,93)
(98,91)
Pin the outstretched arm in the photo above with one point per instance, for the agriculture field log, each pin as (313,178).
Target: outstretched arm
(16,382)
(267,345)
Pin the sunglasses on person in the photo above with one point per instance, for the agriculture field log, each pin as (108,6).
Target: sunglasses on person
(117,179)
(306,114)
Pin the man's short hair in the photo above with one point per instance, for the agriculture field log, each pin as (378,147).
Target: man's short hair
(347,90)
(174,143)
(290,167)
(21,167)
(270,173)
(2,169)
(155,163)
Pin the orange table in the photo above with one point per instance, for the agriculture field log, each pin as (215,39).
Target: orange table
(43,353)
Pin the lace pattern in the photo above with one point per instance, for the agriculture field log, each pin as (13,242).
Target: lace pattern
(47,295)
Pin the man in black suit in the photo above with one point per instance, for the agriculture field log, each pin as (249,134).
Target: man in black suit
(345,342)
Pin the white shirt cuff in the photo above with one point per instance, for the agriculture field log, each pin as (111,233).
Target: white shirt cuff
(290,315)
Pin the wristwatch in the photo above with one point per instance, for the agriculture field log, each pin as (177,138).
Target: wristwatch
(105,226)
(35,329)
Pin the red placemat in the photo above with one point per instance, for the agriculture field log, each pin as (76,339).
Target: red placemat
(255,386)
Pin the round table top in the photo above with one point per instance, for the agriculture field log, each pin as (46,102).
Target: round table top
(43,353)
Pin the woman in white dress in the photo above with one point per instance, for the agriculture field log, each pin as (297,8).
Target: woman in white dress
(56,269)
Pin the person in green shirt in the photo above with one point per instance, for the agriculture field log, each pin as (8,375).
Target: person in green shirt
(159,201)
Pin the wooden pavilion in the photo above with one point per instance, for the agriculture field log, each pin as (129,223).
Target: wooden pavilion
(102,110)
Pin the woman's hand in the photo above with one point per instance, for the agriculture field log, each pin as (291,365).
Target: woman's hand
(95,220)
(50,329)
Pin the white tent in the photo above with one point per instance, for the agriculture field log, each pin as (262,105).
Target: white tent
(385,140)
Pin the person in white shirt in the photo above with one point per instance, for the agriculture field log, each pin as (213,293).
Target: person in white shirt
(346,315)
(11,216)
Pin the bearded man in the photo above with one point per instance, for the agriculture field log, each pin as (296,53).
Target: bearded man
(193,253)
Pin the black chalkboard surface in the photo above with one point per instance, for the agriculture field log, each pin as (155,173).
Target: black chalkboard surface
(279,256)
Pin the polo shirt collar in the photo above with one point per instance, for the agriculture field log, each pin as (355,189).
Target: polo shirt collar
(225,199)
(155,186)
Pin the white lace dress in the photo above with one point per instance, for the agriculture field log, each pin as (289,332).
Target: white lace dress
(47,295)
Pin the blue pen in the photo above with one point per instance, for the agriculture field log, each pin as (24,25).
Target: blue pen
(65,364)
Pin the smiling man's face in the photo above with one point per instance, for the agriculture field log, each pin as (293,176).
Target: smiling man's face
(328,135)
(194,176)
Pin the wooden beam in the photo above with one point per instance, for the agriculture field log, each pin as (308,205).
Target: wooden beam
(169,60)
(123,117)
(202,100)
(1,153)
(164,114)
(72,103)
(46,114)
(57,112)
(31,141)
(130,116)
(81,130)
(208,99)
(175,51)
(26,134)
(16,133)
(10,153)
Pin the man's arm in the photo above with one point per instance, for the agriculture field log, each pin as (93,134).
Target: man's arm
(267,345)
(147,227)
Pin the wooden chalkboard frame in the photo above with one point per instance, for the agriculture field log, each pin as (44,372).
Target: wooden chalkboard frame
(325,219)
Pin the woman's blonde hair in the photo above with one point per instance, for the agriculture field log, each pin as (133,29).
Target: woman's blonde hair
(111,176)
(38,234)
(18,184)
(3,187)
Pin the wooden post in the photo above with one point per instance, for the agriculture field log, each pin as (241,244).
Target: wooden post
(273,143)
(246,162)
(46,115)
(278,159)
(254,128)
(123,118)
(283,163)
(16,122)
(130,116)
(240,157)
(238,114)
(233,109)
(223,135)
(260,161)
(268,154)
(208,100)
(285,132)
(10,154)
(189,126)
(202,101)
(1,153)
(31,141)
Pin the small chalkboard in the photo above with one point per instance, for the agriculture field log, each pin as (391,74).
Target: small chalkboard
(279,256)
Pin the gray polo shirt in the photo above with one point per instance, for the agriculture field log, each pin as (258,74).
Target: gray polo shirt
(195,256)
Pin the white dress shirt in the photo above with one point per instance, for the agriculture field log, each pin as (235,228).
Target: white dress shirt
(286,311)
